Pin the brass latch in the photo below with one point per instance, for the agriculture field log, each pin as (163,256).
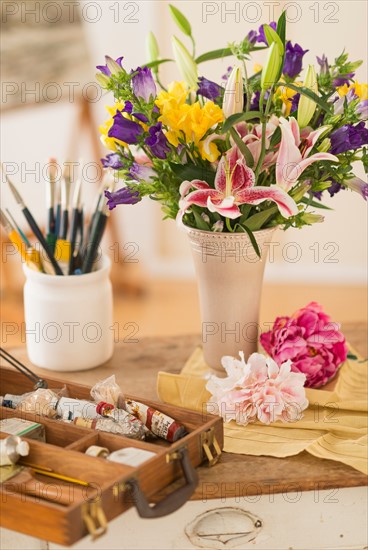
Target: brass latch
(174,455)
(210,446)
(119,488)
(94,518)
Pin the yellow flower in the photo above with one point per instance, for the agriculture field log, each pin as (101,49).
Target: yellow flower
(188,122)
(208,150)
(361,90)
(174,118)
(175,96)
(286,94)
(110,143)
(257,68)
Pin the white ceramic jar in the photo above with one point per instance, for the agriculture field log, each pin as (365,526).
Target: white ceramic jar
(69,319)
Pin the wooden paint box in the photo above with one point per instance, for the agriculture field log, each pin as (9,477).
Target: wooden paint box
(113,488)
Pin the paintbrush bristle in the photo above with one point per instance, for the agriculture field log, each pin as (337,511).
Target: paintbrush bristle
(67,172)
(14,190)
(52,169)
(5,222)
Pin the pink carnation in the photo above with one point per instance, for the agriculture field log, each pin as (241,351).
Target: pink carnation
(257,390)
(311,341)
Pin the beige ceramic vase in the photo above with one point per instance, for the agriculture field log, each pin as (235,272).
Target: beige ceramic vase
(230,277)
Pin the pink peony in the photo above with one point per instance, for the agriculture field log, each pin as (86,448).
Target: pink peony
(257,390)
(311,341)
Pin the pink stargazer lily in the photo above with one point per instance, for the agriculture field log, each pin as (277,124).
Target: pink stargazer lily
(290,161)
(234,185)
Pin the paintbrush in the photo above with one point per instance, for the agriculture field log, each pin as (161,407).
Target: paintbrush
(33,225)
(20,479)
(65,199)
(57,208)
(76,205)
(21,233)
(98,225)
(30,255)
(50,195)
(108,184)
(78,249)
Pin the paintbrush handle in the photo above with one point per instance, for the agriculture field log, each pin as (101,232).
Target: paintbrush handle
(37,232)
(99,224)
(73,237)
(25,483)
(57,220)
(51,220)
(64,224)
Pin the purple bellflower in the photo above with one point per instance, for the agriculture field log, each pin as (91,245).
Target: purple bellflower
(113,160)
(125,195)
(348,137)
(293,59)
(124,129)
(323,63)
(142,172)
(143,85)
(157,141)
(105,69)
(209,89)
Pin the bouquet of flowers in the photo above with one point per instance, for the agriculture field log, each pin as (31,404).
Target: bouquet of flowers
(251,152)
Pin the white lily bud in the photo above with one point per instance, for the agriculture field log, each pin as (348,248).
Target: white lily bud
(272,66)
(310,218)
(153,53)
(233,101)
(324,146)
(186,63)
(306,105)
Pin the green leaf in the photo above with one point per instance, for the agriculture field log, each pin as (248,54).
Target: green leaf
(308,93)
(214,54)
(251,237)
(256,221)
(243,148)
(239,117)
(191,172)
(352,356)
(315,204)
(276,137)
(181,21)
(153,64)
(200,223)
(281,27)
(245,209)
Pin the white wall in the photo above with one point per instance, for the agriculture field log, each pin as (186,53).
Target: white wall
(33,135)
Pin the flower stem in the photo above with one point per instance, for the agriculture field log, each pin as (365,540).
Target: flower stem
(264,126)
(247,87)
(160,83)
(228,225)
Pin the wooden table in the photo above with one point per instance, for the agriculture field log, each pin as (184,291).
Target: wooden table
(136,365)
(288,498)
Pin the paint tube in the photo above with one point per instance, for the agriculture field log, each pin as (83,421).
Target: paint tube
(159,423)
(127,427)
(11,449)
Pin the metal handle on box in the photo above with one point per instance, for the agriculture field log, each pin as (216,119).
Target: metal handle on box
(175,500)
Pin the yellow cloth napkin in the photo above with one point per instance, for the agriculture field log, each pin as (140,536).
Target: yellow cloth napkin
(334,426)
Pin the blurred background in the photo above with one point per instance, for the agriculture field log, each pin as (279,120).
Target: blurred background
(52,107)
